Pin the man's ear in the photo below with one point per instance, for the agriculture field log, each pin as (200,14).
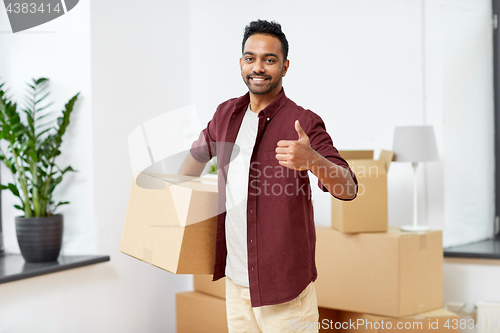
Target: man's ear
(285,67)
(241,62)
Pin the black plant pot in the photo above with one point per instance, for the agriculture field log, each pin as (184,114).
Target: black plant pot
(40,238)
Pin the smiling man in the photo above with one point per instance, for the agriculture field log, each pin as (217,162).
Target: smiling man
(265,145)
(263,65)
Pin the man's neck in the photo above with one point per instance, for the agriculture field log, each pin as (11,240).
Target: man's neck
(259,102)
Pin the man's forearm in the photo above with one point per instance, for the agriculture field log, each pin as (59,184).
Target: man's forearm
(191,167)
(337,180)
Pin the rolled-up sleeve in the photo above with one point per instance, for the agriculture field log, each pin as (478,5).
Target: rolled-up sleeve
(204,148)
(322,143)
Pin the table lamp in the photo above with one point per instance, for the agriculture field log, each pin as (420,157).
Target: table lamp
(415,144)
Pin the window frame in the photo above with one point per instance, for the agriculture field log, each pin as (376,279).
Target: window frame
(496,93)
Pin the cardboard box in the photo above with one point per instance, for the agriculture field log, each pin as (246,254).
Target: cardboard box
(433,321)
(171,222)
(203,283)
(197,312)
(328,318)
(395,273)
(368,212)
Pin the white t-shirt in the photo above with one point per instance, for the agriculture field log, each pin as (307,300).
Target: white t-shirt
(236,200)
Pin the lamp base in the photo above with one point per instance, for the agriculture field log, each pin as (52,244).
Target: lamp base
(414,227)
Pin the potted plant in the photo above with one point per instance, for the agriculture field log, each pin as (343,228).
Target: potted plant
(29,145)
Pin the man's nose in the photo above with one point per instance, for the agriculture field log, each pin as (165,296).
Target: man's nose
(259,67)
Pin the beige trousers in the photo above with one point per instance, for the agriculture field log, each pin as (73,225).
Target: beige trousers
(297,315)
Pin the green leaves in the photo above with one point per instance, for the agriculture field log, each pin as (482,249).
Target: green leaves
(32,148)
(10,187)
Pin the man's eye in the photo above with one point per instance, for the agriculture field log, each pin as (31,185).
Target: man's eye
(271,60)
(248,59)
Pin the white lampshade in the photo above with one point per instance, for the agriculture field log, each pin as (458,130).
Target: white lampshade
(415,144)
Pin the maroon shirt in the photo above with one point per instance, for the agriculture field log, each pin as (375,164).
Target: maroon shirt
(281,237)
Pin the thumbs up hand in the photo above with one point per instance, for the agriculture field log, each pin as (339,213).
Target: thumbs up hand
(298,154)
(300,131)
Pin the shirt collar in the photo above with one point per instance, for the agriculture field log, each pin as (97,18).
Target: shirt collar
(269,111)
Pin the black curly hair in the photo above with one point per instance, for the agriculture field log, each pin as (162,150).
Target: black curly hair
(268,28)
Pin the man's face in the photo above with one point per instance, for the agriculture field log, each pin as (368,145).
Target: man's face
(262,64)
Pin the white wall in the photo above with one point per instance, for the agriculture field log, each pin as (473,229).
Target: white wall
(130,63)
(60,51)
(470,281)
(140,69)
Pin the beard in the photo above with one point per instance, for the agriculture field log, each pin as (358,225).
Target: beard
(265,88)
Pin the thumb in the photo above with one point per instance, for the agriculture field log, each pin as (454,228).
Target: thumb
(300,131)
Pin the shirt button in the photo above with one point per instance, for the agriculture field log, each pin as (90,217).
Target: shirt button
(251,211)
(252,268)
(267,119)
(251,240)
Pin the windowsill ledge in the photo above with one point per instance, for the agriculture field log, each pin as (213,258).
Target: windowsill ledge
(14,268)
(487,249)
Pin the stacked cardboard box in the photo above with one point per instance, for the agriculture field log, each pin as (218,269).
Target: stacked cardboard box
(368,213)
(372,273)
(198,312)
(204,284)
(393,273)
(192,307)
